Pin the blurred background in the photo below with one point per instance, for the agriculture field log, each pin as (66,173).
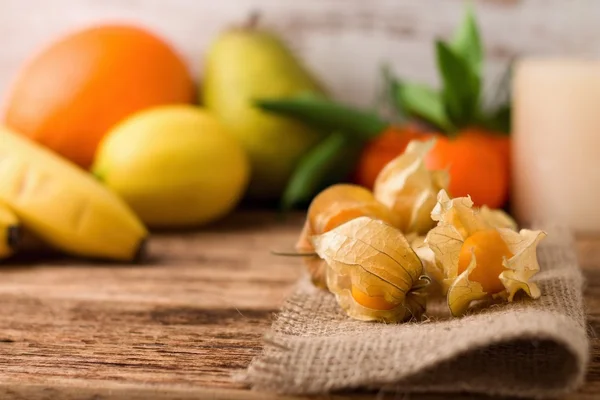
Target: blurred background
(343,42)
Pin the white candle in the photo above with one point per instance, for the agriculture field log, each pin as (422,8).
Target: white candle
(556,143)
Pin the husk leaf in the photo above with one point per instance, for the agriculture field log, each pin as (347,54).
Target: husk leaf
(463,291)
(409,189)
(375,258)
(524,264)
(457,221)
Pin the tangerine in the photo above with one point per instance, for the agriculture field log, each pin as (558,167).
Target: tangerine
(500,143)
(475,166)
(69,95)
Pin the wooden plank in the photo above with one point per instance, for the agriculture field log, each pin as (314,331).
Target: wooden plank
(193,314)
(177,327)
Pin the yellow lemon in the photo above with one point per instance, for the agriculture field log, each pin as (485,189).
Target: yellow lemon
(174,165)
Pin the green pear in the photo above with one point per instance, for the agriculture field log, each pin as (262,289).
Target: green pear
(246,64)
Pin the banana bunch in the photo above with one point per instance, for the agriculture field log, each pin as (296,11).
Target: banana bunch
(10,232)
(62,204)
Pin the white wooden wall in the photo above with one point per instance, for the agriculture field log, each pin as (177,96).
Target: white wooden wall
(343,41)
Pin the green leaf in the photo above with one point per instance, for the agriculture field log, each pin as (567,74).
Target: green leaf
(499,119)
(328,162)
(386,102)
(393,88)
(327,115)
(502,91)
(467,41)
(423,102)
(461,86)
(497,116)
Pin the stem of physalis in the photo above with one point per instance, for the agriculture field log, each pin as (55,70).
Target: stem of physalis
(293,253)
(423,282)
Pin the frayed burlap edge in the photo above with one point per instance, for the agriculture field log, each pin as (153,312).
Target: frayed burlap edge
(527,348)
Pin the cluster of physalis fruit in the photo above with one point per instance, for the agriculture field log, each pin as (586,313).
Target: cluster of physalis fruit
(384,253)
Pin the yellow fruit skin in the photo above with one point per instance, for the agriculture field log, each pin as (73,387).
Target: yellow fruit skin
(174,165)
(244,65)
(9,231)
(64,205)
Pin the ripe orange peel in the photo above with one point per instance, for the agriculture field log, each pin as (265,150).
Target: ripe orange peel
(372,271)
(409,189)
(493,246)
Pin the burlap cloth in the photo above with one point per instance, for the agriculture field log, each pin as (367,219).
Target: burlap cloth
(529,348)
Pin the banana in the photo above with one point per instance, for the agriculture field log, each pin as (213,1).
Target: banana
(64,205)
(10,231)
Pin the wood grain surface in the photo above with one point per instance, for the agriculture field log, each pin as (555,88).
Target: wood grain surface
(344,42)
(177,326)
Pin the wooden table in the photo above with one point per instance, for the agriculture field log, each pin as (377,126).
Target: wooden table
(178,326)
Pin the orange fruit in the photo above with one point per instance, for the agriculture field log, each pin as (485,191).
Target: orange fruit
(341,203)
(490,250)
(475,166)
(500,143)
(372,302)
(69,95)
(383,149)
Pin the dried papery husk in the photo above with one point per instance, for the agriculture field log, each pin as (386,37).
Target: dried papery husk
(303,244)
(459,222)
(431,270)
(445,242)
(332,207)
(462,291)
(457,219)
(523,265)
(341,203)
(409,189)
(314,264)
(497,218)
(430,267)
(317,268)
(371,260)
(459,213)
